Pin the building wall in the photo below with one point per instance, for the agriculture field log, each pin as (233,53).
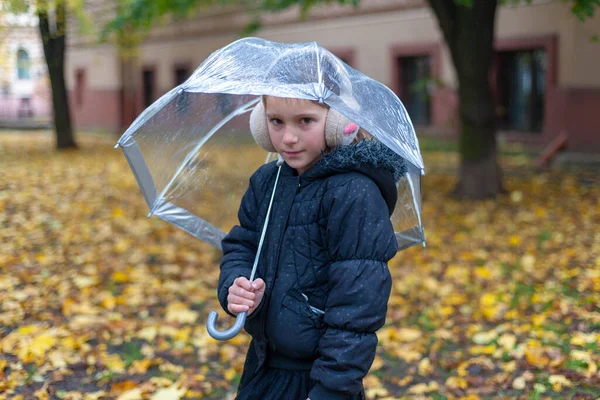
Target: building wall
(94,82)
(578,99)
(23,34)
(374,36)
(164,56)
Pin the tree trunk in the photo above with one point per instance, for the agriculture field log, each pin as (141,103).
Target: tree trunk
(129,92)
(54,43)
(128,43)
(469,33)
(129,63)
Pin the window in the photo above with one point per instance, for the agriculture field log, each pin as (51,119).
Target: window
(25,110)
(346,55)
(521,90)
(414,88)
(148,86)
(181,74)
(23,65)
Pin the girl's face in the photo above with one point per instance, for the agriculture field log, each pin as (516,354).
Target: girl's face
(297,130)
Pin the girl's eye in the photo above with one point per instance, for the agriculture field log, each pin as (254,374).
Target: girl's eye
(306,120)
(276,121)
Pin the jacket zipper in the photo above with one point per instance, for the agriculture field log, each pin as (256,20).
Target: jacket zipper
(268,296)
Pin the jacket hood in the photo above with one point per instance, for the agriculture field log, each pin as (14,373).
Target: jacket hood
(369,157)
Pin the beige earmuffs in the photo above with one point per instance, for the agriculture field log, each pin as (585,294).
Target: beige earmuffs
(334,128)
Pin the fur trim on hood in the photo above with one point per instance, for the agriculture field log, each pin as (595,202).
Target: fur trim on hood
(369,157)
(365,153)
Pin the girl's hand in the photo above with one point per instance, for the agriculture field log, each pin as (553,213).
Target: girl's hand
(245,296)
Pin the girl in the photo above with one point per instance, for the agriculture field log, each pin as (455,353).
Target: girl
(325,282)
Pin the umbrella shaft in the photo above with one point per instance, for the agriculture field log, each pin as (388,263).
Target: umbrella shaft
(264,230)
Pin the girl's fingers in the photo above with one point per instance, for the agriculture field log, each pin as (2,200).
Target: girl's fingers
(233,299)
(243,282)
(243,293)
(237,308)
(258,284)
(238,291)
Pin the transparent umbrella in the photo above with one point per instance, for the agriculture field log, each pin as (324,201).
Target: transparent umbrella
(192,153)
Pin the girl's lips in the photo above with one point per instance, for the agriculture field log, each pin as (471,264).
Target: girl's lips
(293,153)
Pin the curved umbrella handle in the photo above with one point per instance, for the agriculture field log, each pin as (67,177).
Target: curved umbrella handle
(211,326)
(240,319)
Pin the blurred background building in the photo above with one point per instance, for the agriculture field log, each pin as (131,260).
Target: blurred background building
(545,69)
(25,97)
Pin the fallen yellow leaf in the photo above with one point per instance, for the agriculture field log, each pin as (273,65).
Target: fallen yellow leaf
(425,367)
(519,383)
(132,394)
(422,388)
(170,393)
(558,382)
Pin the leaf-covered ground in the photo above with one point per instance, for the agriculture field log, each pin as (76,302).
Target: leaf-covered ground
(97,301)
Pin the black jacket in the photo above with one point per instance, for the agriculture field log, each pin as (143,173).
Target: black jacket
(329,239)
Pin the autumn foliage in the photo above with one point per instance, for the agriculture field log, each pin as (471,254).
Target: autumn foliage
(97,301)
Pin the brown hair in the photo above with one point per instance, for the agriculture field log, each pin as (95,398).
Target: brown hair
(362,135)
(291,100)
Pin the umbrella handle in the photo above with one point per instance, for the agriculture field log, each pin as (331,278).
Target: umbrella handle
(240,319)
(211,326)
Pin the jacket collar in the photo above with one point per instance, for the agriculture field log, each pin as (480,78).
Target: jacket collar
(369,157)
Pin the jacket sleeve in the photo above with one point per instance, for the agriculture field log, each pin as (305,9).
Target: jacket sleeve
(241,243)
(360,239)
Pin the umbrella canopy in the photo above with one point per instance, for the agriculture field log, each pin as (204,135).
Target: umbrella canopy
(192,154)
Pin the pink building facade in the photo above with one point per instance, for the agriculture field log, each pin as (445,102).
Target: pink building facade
(24,86)
(544,74)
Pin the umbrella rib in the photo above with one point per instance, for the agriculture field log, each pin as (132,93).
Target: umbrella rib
(148,113)
(235,113)
(319,77)
(412,189)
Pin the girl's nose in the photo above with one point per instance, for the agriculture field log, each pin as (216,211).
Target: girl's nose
(289,137)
